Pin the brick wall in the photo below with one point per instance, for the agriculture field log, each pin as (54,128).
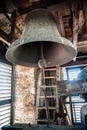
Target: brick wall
(26,80)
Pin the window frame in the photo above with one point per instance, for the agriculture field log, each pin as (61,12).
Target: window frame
(73,95)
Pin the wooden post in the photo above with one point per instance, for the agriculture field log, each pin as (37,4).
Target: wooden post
(85,11)
(75,30)
(12,22)
(59,20)
(4,37)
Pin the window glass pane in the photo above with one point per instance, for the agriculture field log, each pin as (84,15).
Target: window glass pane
(73,73)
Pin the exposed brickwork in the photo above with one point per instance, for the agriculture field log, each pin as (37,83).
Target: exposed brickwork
(25,87)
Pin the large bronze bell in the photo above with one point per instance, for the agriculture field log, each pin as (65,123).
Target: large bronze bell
(40,30)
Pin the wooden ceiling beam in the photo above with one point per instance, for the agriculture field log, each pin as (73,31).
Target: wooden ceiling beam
(12,22)
(76,63)
(39,4)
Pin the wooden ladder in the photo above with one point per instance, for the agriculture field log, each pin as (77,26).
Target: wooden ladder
(51,77)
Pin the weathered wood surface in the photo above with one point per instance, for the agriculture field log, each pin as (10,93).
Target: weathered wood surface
(85,11)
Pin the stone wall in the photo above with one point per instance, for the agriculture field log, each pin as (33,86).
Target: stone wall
(25,94)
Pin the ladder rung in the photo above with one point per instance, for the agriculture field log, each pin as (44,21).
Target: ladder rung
(52,108)
(48,86)
(47,96)
(50,69)
(50,77)
(44,120)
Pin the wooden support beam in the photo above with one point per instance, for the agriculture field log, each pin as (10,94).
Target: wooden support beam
(39,4)
(57,12)
(83,22)
(12,22)
(4,41)
(78,21)
(4,37)
(75,63)
(81,59)
(85,12)
(59,20)
(61,23)
(12,32)
(75,30)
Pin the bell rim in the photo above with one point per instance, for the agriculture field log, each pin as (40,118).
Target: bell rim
(17,42)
